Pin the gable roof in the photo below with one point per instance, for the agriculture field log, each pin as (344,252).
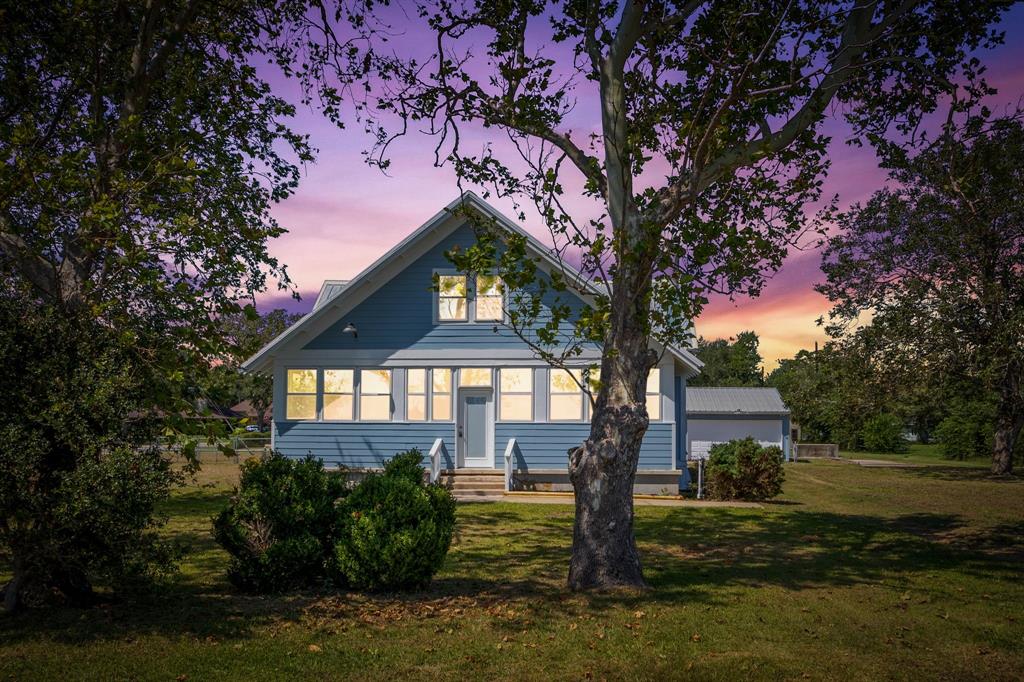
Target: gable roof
(334,293)
(759,401)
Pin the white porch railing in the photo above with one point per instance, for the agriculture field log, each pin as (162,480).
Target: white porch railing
(436,451)
(510,451)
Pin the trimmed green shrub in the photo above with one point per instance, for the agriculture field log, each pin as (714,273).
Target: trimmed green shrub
(744,470)
(408,464)
(394,529)
(884,433)
(281,523)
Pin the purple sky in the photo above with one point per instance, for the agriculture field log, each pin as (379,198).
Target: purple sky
(346,214)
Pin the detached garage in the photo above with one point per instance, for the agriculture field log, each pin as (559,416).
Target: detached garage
(718,415)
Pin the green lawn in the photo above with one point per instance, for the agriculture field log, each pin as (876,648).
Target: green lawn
(930,454)
(854,574)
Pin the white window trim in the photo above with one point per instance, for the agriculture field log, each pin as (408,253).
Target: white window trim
(532,394)
(470,300)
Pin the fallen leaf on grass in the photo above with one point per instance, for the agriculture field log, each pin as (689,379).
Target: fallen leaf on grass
(695,637)
(314,648)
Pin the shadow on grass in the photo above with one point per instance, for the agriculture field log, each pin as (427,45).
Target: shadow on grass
(515,553)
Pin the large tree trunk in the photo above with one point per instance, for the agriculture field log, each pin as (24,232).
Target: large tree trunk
(1008,428)
(603,469)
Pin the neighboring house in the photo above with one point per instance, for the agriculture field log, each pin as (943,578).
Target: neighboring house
(386,361)
(718,415)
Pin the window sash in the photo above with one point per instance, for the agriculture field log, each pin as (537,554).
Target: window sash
(452,298)
(378,400)
(489,299)
(516,402)
(561,398)
(475,377)
(441,394)
(653,394)
(339,404)
(300,401)
(416,394)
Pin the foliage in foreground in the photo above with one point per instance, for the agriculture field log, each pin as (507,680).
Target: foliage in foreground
(293,524)
(395,530)
(79,484)
(744,470)
(280,525)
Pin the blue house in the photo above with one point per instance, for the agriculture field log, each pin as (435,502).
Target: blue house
(386,361)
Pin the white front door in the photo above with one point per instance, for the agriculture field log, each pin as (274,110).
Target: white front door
(475,427)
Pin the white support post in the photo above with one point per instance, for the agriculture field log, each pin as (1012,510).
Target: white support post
(435,459)
(700,479)
(509,452)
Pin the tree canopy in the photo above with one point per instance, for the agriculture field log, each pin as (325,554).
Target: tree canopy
(729,362)
(936,258)
(702,147)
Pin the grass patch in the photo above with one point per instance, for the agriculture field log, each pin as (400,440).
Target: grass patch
(853,573)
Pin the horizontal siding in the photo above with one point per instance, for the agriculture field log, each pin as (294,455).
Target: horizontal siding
(361,444)
(400,315)
(546,446)
(541,446)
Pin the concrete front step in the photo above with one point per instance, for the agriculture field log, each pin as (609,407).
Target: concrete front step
(476,485)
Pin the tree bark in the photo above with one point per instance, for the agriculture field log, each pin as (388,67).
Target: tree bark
(603,469)
(12,592)
(1008,428)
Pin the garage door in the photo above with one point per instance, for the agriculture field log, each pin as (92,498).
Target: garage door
(701,434)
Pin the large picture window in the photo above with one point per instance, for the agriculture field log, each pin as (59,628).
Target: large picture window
(375,395)
(300,401)
(565,397)
(339,394)
(416,395)
(488,298)
(441,394)
(654,394)
(452,301)
(516,402)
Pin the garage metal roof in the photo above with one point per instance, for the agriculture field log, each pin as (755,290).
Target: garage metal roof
(734,401)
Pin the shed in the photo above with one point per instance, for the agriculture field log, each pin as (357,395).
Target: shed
(718,415)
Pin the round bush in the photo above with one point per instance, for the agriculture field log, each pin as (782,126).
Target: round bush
(394,533)
(744,470)
(280,525)
(884,433)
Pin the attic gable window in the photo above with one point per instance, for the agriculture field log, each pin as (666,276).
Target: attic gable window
(452,298)
(489,301)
